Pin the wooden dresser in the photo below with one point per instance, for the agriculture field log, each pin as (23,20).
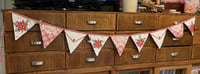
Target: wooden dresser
(21,54)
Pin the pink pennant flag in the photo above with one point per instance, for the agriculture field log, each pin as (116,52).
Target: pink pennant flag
(49,33)
(74,38)
(21,25)
(97,42)
(140,40)
(190,24)
(120,42)
(177,30)
(158,37)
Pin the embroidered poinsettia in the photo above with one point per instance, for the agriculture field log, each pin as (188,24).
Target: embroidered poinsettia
(191,27)
(140,41)
(21,26)
(97,44)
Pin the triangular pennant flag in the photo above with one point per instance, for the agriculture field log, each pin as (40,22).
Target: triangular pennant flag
(97,42)
(49,33)
(158,37)
(21,25)
(140,40)
(73,39)
(177,30)
(120,42)
(190,24)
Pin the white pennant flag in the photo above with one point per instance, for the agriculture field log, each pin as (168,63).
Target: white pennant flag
(49,33)
(190,24)
(120,42)
(177,30)
(21,24)
(97,42)
(158,37)
(73,39)
(140,40)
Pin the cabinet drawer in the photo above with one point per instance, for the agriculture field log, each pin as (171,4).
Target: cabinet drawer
(36,61)
(87,58)
(197,22)
(27,42)
(171,41)
(86,45)
(132,56)
(55,18)
(195,52)
(91,21)
(168,20)
(137,22)
(173,54)
(196,37)
(97,73)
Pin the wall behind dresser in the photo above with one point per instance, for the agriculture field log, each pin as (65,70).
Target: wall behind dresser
(4,4)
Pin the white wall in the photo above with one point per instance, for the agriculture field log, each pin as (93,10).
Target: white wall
(2,65)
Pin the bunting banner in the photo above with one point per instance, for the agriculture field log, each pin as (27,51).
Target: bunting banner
(49,33)
(21,25)
(120,42)
(190,24)
(158,37)
(97,42)
(140,40)
(177,30)
(74,38)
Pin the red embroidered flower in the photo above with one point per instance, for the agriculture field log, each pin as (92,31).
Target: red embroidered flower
(97,44)
(191,28)
(140,42)
(21,26)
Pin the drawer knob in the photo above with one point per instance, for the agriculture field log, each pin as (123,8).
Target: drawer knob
(175,39)
(176,22)
(138,22)
(135,56)
(91,22)
(90,59)
(36,43)
(174,54)
(37,63)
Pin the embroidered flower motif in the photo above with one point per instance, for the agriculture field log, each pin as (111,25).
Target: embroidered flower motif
(140,42)
(21,25)
(191,28)
(97,44)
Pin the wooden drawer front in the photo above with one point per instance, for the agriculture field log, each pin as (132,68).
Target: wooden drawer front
(97,73)
(195,52)
(54,18)
(197,26)
(45,72)
(86,45)
(25,43)
(173,54)
(129,56)
(168,20)
(185,40)
(79,21)
(87,58)
(196,37)
(24,62)
(128,21)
